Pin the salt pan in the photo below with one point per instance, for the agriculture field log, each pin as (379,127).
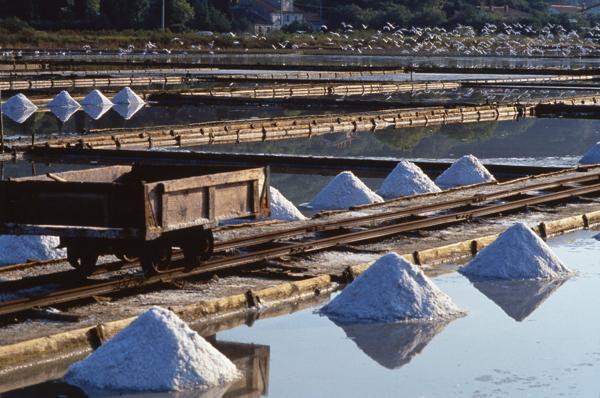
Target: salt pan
(156,352)
(95,97)
(282,208)
(406,179)
(392,289)
(592,156)
(343,191)
(465,171)
(16,249)
(63,100)
(518,253)
(127,96)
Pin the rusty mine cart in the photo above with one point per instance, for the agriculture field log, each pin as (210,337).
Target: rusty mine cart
(133,211)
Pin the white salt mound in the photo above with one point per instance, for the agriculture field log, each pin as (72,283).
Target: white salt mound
(392,289)
(518,253)
(16,249)
(127,96)
(63,100)
(343,191)
(18,102)
(592,156)
(465,171)
(282,208)
(156,352)
(96,98)
(406,179)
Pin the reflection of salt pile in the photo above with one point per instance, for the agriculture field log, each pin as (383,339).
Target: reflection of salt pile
(15,249)
(18,108)
(406,179)
(392,289)
(592,156)
(63,106)
(156,352)
(96,98)
(518,298)
(127,96)
(402,340)
(128,110)
(465,171)
(518,253)
(344,191)
(282,208)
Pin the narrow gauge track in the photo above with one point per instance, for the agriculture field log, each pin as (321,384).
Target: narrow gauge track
(409,219)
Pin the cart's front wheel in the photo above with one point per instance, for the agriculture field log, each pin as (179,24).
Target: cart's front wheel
(82,260)
(156,258)
(198,248)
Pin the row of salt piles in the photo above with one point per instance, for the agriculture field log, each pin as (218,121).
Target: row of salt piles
(19,108)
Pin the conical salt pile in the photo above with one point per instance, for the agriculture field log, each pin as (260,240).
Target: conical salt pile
(465,171)
(127,96)
(343,191)
(282,208)
(63,100)
(406,179)
(392,289)
(18,102)
(156,352)
(16,249)
(96,98)
(518,253)
(592,156)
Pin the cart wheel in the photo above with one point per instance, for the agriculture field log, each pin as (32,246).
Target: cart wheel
(82,260)
(198,249)
(127,259)
(156,258)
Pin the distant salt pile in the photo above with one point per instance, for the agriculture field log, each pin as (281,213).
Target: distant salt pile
(18,108)
(518,253)
(156,352)
(96,98)
(282,208)
(343,191)
(392,289)
(63,100)
(127,96)
(592,156)
(465,171)
(15,249)
(406,179)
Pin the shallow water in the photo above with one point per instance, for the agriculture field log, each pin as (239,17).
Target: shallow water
(541,340)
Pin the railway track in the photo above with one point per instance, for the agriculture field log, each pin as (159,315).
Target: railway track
(374,226)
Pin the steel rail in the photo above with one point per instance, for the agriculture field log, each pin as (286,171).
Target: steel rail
(91,288)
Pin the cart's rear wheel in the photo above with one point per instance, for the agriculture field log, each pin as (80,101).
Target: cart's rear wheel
(156,258)
(198,248)
(82,260)
(127,258)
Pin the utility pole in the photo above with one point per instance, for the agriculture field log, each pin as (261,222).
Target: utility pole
(163,16)
(1,126)
(320,12)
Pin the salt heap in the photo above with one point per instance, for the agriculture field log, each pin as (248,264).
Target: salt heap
(156,352)
(592,156)
(406,179)
(16,249)
(127,96)
(344,191)
(63,100)
(518,253)
(18,108)
(465,171)
(282,208)
(96,98)
(392,289)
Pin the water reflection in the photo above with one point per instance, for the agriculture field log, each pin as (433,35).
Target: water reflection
(96,111)
(128,110)
(518,299)
(18,115)
(63,113)
(393,345)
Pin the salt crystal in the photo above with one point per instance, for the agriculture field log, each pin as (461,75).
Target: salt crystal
(95,97)
(392,289)
(282,208)
(406,179)
(156,352)
(343,191)
(465,171)
(63,100)
(592,156)
(518,253)
(16,249)
(127,96)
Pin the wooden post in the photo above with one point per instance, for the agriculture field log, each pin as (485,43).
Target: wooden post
(1,125)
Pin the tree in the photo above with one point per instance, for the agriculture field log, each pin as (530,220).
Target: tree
(123,14)
(208,17)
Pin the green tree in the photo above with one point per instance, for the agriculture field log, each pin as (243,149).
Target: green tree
(122,14)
